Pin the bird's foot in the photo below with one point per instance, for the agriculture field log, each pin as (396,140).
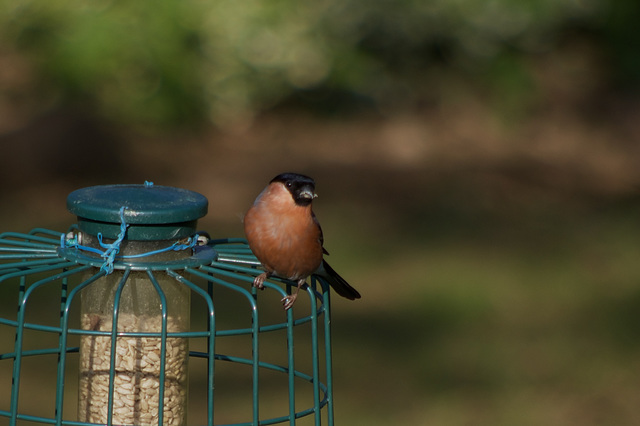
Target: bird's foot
(288,301)
(258,282)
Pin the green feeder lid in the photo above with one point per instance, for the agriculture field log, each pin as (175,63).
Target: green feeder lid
(152,212)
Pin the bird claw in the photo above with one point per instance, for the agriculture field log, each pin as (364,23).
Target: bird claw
(288,301)
(258,282)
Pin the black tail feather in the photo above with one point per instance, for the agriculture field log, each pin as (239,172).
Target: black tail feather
(339,284)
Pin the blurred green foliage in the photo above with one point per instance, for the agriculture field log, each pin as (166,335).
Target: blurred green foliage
(190,61)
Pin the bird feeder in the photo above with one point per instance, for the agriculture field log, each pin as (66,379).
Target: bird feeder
(132,317)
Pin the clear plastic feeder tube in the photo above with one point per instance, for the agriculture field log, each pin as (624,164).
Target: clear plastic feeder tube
(122,381)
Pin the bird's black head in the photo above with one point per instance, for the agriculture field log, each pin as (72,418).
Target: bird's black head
(301,187)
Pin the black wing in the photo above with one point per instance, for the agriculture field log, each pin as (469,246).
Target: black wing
(321,238)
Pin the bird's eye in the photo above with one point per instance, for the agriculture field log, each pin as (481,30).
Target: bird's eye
(289,184)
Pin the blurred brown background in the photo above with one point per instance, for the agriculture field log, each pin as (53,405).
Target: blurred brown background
(477,166)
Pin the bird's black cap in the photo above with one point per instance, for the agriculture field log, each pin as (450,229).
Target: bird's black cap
(294,177)
(301,187)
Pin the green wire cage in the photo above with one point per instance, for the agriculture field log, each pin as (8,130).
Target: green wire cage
(131,317)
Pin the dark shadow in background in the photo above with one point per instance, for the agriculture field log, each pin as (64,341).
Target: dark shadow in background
(66,144)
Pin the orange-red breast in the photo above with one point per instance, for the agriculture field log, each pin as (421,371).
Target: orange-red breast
(285,236)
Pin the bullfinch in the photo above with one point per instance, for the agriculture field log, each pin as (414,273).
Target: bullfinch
(285,236)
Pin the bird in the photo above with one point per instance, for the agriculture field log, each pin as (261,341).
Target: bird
(285,236)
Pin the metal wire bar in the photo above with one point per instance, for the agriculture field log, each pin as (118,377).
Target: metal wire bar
(256,363)
(114,334)
(63,299)
(282,369)
(64,331)
(263,328)
(18,268)
(163,345)
(291,370)
(202,273)
(24,250)
(315,363)
(24,296)
(60,264)
(254,332)
(39,419)
(45,231)
(24,239)
(326,302)
(211,327)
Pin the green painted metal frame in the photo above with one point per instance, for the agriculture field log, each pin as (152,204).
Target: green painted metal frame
(35,259)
